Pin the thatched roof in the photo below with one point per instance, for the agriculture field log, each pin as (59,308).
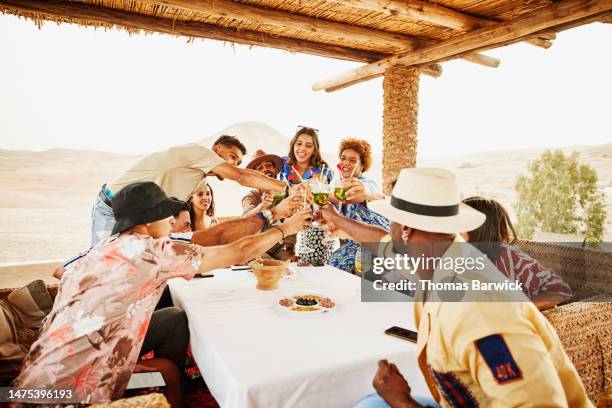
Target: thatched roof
(357,30)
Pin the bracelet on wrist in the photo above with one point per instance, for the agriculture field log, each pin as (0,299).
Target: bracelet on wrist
(281,231)
(264,219)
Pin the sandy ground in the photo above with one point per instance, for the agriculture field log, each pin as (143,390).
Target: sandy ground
(46,197)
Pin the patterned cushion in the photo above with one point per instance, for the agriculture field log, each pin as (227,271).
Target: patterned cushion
(21,314)
(32,303)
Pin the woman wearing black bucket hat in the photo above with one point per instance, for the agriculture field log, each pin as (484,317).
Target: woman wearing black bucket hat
(103,318)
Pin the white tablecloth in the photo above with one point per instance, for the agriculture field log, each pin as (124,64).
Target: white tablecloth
(252,354)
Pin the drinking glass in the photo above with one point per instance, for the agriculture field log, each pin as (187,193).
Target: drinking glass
(320,194)
(278,197)
(339,191)
(358,262)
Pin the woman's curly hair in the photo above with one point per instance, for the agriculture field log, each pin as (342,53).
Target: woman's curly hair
(362,148)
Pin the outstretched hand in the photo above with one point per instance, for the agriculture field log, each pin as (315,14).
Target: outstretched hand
(288,205)
(332,231)
(303,189)
(328,213)
(325,217)
(266,200)
(356,191)
(391,385)
(296,222)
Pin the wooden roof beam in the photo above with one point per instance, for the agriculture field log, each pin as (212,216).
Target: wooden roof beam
(431,13)
(130,21)
(383,40)
(607,19)
(429,72)
(419,10)
(540,42)
(564,12)
(126,20)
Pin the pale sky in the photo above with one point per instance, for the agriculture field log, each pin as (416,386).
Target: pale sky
(73,87)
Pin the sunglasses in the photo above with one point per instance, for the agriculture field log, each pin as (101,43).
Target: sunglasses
(306,128)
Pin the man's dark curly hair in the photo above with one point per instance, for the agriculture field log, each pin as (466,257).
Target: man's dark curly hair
(229,141)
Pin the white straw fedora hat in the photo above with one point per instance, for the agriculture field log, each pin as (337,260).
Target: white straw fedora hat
(428,199)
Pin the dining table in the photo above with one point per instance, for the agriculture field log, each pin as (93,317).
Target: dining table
(253,352)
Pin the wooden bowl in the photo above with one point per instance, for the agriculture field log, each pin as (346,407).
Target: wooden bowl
(272,262)
(268,272)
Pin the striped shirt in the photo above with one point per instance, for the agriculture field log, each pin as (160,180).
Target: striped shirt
(536,279)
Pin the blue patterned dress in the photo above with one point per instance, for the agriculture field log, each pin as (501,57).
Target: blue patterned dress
(286,171)
(344,257)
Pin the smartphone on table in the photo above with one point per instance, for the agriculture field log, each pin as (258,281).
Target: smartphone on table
(402,333)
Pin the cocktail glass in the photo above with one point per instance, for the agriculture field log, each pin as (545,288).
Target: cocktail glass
(320,194)
(278,197)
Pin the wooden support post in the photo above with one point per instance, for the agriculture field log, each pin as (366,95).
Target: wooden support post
(400,114)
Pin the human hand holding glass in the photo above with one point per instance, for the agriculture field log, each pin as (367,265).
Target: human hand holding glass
(289,205)
(355,191)
(277,198)
(339,190)
(298,221)
(320,194)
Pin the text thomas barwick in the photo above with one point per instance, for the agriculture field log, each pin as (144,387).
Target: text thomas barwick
(429,285)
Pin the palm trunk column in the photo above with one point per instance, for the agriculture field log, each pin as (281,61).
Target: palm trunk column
(400,117)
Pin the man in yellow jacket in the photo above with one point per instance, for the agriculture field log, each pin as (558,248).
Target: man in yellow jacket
(479,352)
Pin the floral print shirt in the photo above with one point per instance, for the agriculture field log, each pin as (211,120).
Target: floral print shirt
(92,337)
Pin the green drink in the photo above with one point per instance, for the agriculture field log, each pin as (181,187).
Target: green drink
(320,198)
(340,193)
(278,197)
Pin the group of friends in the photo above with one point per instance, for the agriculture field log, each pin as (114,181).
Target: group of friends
(157,221)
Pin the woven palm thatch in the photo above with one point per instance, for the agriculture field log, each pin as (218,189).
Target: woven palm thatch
(334,11)
(585,330)
(154,400)
(400,119)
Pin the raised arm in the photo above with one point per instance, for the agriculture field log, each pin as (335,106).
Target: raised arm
(227,232)
(358,231)
(248,178)
(358,191)
(247,248)
(251,208)
(230,231)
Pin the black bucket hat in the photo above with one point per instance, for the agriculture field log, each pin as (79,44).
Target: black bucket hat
(140,203)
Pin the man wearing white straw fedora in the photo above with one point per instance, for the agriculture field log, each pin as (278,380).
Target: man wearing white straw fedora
(499,353)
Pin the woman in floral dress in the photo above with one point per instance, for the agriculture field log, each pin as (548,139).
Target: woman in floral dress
(355,159)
